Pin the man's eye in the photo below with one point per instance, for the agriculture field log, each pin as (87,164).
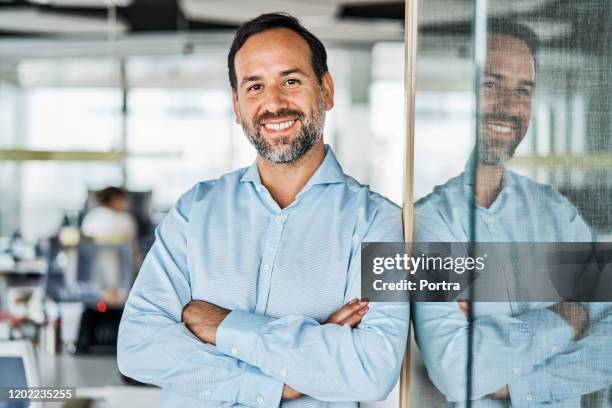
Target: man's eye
(524,92)
(488,85)
(254,88)
(292,82)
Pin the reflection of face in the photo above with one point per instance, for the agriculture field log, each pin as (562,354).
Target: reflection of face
(505,93)
(279,100)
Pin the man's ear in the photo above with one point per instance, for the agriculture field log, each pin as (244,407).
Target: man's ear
(237,117)
(328,89)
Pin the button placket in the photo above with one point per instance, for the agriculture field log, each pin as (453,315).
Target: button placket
(272,244)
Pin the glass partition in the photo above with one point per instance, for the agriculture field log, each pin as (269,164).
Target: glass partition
(513,153)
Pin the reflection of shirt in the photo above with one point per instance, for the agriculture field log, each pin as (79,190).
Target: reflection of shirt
(514,343)
(282,272)
(109,226)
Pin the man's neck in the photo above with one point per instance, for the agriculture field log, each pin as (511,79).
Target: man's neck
(285,181)
(488,184)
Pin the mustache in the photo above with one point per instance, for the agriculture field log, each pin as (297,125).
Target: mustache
(515,121)
(280,114)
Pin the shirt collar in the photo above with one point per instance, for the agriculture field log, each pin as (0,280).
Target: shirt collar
(329,171)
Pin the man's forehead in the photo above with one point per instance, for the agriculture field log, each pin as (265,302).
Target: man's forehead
(508,54)
(281,48)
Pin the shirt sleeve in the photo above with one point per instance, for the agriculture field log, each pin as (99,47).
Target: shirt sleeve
(503,346)
(155,347)
(580,369)
(328,362)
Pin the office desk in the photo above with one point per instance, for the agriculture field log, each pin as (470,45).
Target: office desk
(95,377)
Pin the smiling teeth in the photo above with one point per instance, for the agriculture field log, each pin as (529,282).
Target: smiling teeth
(500,129)
(279,126)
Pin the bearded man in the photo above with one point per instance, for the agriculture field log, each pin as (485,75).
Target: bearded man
(249,295)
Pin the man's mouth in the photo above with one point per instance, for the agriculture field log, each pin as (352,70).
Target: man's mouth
(498,127)
(278,126)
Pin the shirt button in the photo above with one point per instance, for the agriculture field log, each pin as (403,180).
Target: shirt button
(283,372)
(260,399)
(490,220)
(279,218)
(258,188)
(556,349)
(516,371)
(529,397)
(234,351)
(207,392)
(266,267)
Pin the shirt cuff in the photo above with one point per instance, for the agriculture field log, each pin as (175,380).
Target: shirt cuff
(259,390)
(237,334)
(550,333)
(533,388)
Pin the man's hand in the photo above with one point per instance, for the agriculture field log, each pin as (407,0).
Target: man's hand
(574,314)
(290,394)
(466,307)
(351,313)
(203,319)
(502,394)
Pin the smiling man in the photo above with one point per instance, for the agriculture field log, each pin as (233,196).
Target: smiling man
(249,295)
(523,353)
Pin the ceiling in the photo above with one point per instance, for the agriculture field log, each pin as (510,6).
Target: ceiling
(343,20)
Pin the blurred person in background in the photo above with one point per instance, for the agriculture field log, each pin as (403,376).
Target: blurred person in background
(110,222)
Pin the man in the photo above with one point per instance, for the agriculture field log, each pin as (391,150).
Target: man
(522,353)
(232,305)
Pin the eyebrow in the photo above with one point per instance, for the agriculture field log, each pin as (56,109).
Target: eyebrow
(250,79)
(286,72)
(498,76)
(292,71)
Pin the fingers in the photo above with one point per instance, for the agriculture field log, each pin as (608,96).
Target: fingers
(347,310)
(464,305)
(354,319)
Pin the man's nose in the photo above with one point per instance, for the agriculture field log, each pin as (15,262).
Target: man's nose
(275,100)
(504,101)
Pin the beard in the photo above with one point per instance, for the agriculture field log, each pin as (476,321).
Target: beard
(287,149)
(494,150)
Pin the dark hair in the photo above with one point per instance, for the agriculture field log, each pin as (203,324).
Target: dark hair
(270,21)
(108,194)
(514,30)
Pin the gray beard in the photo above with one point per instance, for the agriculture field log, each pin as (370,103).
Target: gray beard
(496,154)
(283,151)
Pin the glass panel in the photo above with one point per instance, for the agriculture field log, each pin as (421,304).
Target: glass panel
(533,170)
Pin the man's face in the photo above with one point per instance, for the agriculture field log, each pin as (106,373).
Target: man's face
(506,91)
(279,101)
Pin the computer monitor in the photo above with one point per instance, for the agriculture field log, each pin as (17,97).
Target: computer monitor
(18,369)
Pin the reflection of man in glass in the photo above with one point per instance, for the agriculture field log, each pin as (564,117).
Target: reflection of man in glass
(240,300)
(523,353)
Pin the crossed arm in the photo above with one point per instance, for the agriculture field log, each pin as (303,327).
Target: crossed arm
(204,318)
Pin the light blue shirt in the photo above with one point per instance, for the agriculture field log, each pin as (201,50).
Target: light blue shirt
(282,272)
(524,345)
